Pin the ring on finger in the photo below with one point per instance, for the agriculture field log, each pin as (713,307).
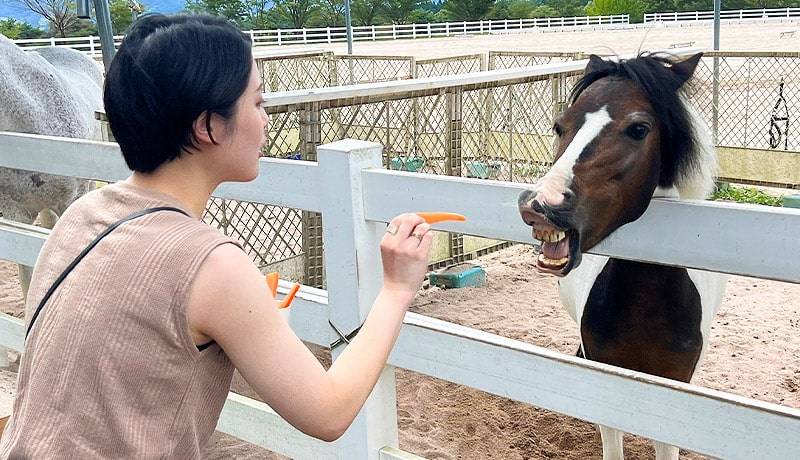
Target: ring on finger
(391,229)
(417,235)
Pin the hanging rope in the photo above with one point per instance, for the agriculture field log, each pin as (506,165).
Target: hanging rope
(779,122)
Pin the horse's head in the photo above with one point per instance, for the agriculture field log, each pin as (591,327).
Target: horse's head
(627,132)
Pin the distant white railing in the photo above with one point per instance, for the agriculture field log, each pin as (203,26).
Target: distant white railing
(91,45)
(732,15)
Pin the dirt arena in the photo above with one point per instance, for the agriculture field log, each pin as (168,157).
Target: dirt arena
(754,349)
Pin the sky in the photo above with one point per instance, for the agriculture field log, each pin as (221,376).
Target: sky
(15,9)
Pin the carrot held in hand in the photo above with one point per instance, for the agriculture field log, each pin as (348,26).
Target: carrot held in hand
(272,283)
(289,296)
(434,217)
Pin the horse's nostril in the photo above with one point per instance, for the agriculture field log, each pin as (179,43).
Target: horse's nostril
(525,197)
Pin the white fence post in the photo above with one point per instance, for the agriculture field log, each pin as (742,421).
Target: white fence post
(354,278)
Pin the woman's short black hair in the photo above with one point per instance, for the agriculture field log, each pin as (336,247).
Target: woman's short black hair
(168,71)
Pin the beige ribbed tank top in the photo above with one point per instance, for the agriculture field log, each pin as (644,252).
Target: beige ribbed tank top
(110,369)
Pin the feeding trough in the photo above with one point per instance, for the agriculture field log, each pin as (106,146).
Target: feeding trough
(459,275)
(482,169)
(406,163)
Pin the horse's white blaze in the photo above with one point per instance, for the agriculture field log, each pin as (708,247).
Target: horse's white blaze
(550,188)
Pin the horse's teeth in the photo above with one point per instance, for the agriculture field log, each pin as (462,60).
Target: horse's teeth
(549,236)
(557,263)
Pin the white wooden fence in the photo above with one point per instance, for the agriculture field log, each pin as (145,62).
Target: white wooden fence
(357,197)
(309,36)
(756,14)
(91,44)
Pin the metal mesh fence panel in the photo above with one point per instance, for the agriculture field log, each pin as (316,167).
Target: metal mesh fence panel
(287,73)
(757,95)
(268,233)
(512,60)
(352,70)
(450,66)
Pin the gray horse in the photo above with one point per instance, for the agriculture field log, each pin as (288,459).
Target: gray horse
(51,91)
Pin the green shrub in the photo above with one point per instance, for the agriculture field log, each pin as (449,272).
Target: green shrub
(741,194)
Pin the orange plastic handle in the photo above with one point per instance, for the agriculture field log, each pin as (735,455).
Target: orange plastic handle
(434,217)
(272,283)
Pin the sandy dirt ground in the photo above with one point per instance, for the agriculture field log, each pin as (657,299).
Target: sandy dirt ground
(755,344)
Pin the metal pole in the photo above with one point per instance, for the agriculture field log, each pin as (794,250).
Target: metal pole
(349,29)
(348,26)
(104,29)
(715,77)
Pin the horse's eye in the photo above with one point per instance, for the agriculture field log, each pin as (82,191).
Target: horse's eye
(638,131)
(558,130)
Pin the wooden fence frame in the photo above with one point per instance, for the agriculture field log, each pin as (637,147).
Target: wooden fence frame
(357,197)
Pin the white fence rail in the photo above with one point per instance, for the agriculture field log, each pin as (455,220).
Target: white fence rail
(356,197)
(757,14)
(91,45)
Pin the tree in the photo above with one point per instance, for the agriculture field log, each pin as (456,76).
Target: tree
(544,11)
(398,11)
(257,14)
(231,9)
(295,13)
(635,8)
(467,10)
(57,12)
(364,12)
(122,14)
(331,12)
(521,9)
(16,30)
(567,8)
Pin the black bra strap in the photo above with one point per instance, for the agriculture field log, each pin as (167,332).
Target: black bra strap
(86,250)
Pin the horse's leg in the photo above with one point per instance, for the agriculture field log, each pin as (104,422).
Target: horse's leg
(18,213)
(612,443)
(665,451)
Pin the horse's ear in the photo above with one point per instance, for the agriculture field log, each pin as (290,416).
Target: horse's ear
(595,63)
(685,69)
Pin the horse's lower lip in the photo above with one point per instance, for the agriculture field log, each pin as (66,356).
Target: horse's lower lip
(550,271)
(553,266)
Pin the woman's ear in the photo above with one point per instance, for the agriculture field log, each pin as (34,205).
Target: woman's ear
(208,128)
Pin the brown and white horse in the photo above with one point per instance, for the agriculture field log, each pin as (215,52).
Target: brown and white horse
(629,135)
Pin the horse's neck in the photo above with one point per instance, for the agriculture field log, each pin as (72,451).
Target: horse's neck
(666,192)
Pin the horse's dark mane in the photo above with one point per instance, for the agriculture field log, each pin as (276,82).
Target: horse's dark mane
(661,81)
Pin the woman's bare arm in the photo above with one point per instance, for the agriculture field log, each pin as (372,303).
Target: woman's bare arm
(231,304)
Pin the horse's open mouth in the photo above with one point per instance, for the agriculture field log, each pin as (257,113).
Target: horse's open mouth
(554,257)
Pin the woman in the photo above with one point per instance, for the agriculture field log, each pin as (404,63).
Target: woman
(132,355)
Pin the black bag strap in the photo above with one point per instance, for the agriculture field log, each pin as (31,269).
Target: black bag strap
(86,250)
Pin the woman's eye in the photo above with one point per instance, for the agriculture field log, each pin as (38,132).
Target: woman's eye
(638,131)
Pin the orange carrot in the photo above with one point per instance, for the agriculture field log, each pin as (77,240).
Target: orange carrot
(272,283)
(289,297)
(434,217)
